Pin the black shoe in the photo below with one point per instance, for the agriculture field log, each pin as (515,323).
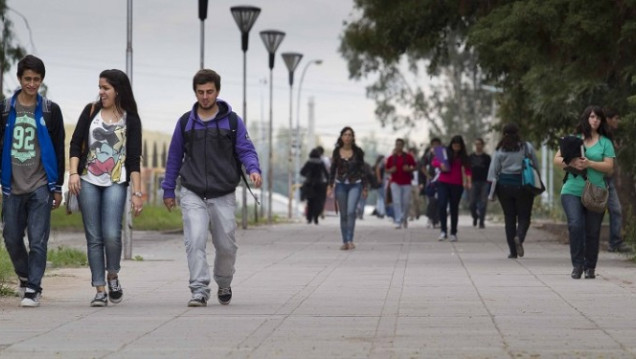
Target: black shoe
(577,272)
(100,300)
(512,256)
(621,248)
(225,295)
(474,222)
(115,293)
(481,226)
(589,273)
(519,246)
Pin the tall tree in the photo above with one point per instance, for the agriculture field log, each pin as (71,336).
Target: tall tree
(11,51)
(550,58)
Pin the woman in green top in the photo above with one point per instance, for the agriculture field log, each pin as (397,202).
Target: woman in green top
(584,226)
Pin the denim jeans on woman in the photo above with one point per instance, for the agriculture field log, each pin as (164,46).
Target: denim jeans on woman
(102,210)
(347,196)
(30,212)
(449,193)
(615,213)
(584,228)
(516,204)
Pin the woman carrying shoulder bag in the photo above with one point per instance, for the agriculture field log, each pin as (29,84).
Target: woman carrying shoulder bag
(105,157)
(584,225)
(505,173)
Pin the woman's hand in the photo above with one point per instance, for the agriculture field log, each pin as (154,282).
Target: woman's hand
(74,184)
(365,193)
(137,205)
(329,190)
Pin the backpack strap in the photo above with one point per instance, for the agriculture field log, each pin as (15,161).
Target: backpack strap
(233,120)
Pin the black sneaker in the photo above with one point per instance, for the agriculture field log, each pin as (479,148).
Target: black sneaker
(198,300)
(577,272)
(225,295)
(590,274)
(31,298)
(115,293)
(100,300)
(474,222)
(621,248)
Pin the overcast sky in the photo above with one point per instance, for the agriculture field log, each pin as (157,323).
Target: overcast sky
(77,39)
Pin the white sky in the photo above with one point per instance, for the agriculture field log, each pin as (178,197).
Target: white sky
(77,39)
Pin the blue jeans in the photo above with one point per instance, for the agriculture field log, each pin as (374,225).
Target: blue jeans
(446,193)
(584,229)
(479,200)
(379,205)
(102,211)
(347,196)
(401,194)
(615,213)
(30,212)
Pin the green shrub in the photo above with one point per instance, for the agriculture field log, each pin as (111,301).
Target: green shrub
(7,274)
(67,257)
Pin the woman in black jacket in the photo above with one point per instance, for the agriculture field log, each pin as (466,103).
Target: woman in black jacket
(105,157)
(314,189)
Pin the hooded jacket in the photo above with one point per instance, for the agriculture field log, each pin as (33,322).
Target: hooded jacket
(203,155)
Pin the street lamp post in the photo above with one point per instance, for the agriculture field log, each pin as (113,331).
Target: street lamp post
(298,147)
(271,40)
(245,17)
(291,61)
(203,14)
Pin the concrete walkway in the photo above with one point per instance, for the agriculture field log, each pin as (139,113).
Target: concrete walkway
(400,294)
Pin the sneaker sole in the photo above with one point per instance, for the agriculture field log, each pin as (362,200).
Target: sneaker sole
(99,304)
(197,304)
(29,304)
(224,303)
(115,300)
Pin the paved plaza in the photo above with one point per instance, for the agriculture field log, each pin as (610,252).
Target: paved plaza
(399,294)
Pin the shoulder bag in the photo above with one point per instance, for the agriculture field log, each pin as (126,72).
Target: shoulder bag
(530,178)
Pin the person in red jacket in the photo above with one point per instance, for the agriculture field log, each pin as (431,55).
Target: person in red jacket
(450,184)
(400,165)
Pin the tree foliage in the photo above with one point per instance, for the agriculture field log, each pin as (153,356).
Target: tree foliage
(551,58)
(10,51)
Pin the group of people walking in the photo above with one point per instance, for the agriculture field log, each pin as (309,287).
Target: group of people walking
(445,172)
(209,145)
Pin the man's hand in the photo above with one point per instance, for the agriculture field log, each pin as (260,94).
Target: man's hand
(169,203)
(256,179)
(57,200)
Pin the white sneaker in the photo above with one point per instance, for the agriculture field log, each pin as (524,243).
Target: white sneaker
(442,236)
(31,299)
(453,238)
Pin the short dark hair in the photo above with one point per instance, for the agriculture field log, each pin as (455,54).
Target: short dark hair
(610,112)
(205,76)
(436,139)
(480,140)
(30,62)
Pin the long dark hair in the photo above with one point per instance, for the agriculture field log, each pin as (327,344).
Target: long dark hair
(584,123)
(463,155)
(124,100)
(356,150)
(511,141)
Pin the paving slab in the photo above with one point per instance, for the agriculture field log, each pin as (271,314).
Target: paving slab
(399,294)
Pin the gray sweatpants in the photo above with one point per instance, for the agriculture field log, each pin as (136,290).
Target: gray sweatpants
(217,215)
